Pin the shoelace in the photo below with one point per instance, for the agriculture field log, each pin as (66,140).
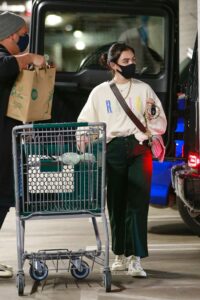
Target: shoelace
(137,265)
(119,258)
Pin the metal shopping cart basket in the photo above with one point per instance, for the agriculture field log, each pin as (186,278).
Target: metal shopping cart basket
(59,171)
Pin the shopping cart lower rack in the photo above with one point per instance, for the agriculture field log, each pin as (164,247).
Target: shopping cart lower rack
(59,171)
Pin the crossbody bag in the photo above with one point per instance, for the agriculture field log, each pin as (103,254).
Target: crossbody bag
(155,141)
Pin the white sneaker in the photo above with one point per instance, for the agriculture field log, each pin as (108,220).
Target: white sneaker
(135,269)
(5,271)
(6,267)
(119,263)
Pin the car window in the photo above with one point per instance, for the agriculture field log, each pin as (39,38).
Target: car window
(75,41)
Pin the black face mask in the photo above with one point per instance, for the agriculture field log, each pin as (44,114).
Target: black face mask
(127,71)
(23,42)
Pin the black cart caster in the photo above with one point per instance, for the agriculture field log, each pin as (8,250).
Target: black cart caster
(38,270)
(80,272)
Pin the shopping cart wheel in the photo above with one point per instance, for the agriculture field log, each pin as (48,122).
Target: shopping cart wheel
(107,280)
(20,282)
(38,270)
(82,272)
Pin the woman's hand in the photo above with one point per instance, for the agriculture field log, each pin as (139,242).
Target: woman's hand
(150,101)
(82,141)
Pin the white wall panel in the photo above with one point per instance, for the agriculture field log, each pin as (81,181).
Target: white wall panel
(188,25)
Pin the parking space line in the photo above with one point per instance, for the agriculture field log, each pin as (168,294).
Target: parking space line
(162,247)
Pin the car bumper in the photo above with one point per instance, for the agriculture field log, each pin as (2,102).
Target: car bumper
(186,185)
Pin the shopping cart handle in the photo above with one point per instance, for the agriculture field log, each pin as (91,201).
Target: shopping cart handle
(59,125)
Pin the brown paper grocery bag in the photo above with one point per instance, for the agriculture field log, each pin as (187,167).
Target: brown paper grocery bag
(32,94)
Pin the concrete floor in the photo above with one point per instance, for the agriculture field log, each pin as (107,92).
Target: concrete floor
(173,265)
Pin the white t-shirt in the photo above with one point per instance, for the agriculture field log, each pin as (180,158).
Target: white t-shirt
(102,106)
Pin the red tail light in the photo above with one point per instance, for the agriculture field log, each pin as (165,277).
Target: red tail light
(193,160)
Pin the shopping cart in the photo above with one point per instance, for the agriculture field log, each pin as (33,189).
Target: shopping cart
(56,178)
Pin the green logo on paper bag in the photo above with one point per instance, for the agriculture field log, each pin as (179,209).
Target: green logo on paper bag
(17,92)
(34,94)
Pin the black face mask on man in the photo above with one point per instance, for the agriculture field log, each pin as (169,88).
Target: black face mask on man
(23,42)
(127,71)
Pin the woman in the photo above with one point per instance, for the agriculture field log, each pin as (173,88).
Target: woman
(128,157)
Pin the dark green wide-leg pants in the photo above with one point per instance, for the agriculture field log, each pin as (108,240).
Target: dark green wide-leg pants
(129,170)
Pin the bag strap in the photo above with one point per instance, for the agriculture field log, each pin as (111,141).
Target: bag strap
(126,108)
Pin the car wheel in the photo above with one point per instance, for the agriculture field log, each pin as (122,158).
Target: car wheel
(191,219)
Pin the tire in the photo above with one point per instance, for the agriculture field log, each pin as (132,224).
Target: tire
(191,220)
(107,281)
(82,273)
(39,271)
(20,284)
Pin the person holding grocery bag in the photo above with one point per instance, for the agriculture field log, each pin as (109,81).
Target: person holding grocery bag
(14,41)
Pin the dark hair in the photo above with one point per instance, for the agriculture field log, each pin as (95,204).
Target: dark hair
(114,53)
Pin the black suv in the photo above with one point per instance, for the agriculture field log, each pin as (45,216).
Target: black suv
(186,177)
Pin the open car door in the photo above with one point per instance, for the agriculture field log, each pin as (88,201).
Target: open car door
(74,34)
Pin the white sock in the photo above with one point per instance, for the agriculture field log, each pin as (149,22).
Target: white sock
(137,258)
